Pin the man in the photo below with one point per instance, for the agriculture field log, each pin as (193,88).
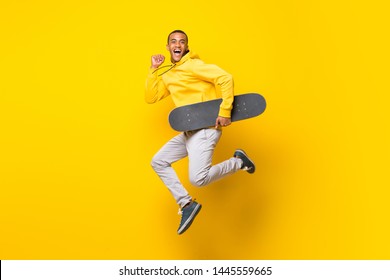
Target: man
(189,80)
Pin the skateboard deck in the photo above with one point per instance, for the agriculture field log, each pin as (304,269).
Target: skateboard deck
(204,114)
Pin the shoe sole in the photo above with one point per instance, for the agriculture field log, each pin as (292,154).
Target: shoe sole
(189,221)
(250,171)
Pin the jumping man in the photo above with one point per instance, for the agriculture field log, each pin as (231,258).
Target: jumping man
(189,80)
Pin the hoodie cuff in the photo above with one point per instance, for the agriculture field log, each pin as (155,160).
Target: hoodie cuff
(224,113)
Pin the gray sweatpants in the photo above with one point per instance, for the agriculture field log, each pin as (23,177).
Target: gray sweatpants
(199,147)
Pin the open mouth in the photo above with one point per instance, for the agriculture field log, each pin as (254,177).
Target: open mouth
(177,52)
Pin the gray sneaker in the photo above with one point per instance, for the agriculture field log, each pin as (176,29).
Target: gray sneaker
(188,215)
(248,165)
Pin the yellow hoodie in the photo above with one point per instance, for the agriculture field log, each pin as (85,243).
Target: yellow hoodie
(190,81)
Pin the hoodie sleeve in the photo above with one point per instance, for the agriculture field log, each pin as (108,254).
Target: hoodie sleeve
(155,89)
(223,83)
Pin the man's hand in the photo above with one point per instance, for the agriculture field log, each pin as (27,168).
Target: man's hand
(222,121)
(157,60)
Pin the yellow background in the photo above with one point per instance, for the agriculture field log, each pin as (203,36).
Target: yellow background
(77,137)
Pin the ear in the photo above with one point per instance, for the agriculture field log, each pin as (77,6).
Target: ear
(167,47)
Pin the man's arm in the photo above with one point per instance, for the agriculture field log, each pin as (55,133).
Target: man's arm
(155,89)
(224,85)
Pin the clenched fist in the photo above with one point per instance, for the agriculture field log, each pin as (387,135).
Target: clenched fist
(157,60)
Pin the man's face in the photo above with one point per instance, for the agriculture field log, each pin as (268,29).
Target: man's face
(177,46)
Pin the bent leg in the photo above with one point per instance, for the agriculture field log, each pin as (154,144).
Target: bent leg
(172,151)
(200,148)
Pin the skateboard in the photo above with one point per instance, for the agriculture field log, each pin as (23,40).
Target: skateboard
(204,114)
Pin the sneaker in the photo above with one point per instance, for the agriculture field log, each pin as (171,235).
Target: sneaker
(248,165)
(188,215)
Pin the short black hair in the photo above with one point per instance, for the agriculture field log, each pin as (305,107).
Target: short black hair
(177,31)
